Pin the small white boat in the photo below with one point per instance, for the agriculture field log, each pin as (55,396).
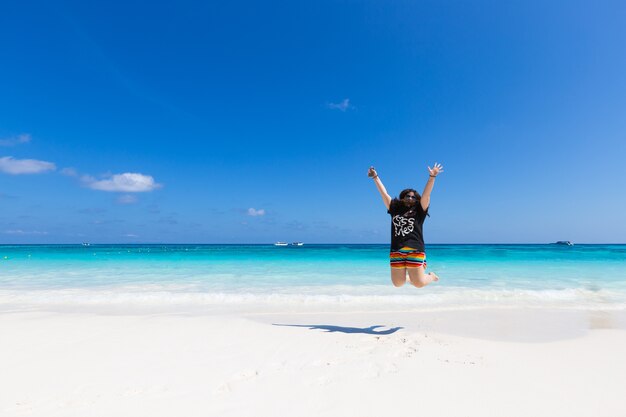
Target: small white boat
(281,244)
(297,244)
(86,244)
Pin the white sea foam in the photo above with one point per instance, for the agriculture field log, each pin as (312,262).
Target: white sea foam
(373,296)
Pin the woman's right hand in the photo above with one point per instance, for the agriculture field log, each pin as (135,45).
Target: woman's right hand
(372,173)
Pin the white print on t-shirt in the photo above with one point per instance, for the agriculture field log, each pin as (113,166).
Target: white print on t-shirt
(402,225)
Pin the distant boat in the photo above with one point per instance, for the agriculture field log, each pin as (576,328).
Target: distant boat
(281,244)
(86,244)
(564,242)
(297,244)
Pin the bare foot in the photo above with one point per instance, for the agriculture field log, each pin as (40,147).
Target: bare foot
(435,276)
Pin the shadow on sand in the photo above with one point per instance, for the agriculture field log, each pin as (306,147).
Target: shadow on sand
(329,328)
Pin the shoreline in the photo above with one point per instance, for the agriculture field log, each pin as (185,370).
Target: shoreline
(193,298)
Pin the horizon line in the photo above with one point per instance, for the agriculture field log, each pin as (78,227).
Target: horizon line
(305,244)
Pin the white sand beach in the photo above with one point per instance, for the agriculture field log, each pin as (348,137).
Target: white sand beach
(484,362)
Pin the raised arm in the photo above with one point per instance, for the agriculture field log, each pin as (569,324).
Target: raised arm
(425,200)
(381,188)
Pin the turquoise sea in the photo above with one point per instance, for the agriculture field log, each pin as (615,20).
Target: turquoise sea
(580,276)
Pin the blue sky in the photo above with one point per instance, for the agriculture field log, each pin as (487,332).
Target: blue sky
(252,122)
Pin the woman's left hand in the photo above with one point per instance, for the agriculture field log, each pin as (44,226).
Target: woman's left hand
(436,169)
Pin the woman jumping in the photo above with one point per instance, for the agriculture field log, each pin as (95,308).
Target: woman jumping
(408,212)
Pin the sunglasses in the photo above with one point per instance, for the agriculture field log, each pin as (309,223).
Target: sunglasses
(410,197)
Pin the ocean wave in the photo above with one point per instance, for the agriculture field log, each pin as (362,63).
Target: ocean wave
(373,296)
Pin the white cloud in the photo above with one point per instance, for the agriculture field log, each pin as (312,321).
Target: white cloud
(70,172)
(254,213)
(23,232)
(127,199)
(130,235)
(127,182)
(10,165)
(15,140)
(343,106)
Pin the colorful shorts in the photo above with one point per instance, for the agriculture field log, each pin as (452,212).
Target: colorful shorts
(407,258)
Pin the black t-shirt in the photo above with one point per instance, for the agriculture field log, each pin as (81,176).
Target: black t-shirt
(407,230)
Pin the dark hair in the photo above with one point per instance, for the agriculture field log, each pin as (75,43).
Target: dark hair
(398,203)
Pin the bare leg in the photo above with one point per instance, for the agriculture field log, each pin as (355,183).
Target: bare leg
(419,278)
(398,276)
